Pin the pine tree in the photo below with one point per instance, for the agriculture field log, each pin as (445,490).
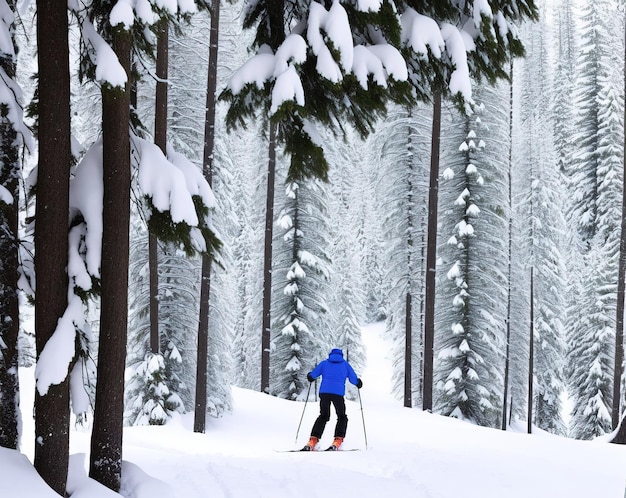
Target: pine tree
(301,330)
(547,227)
(403,147)
(348,277)
(472,298)
(597,179)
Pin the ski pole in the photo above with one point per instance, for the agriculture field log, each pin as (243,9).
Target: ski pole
(362,417)
(305,402)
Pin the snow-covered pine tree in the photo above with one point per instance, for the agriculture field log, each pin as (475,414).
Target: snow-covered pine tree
(546,228)
(247,152)
(348,176)
(563,118)
(301,331)
(403,152)
(161,383)
(597,180)
(471,307)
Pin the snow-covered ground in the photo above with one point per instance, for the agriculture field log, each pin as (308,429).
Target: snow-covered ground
(409,453)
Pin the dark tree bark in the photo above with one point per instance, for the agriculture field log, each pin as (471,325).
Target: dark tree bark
(431,257)
(408,354)
(277,36)
(160,139)
(9,245)
(199,421)
(106,440)
(267,264)
(51,242)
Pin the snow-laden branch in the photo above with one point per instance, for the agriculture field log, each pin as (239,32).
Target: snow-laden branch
(58,353)
(10,91)
(108,67)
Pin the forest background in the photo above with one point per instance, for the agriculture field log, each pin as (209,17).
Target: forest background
(529,225)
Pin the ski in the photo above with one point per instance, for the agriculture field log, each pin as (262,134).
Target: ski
(316,451)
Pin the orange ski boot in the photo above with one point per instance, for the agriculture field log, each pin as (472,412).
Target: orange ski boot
(336,444)
(310,446)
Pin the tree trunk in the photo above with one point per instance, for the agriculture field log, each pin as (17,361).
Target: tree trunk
(431,257)
(106,440)
(408,354)
(51,238)
(267,264)
(507,357)
(160,139)
(619,321)
(531,351)
(9,246)
(199,421)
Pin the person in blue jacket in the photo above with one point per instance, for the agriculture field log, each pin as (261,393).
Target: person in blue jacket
(334,371)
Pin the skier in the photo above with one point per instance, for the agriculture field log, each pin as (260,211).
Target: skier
(334,371)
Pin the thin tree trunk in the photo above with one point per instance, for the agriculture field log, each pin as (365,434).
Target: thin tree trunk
(199,422)
(9,246)
(160,139)
(276,20)
(507,357)
(52,415)
(267,264)
(619,321)
(431,257)
(531,351)
(106,440)
(408,354)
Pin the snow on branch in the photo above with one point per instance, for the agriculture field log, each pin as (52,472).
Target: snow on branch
(85,239)
(333,25)
(55,359)
(10,91)
(7,18)
(460,81)
(108,67)
(5,195)
(422,33)
(164,183)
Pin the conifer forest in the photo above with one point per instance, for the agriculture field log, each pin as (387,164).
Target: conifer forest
(197,194)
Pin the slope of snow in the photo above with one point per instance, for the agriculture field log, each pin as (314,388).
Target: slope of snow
(409,453)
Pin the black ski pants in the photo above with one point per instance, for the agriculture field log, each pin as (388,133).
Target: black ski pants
(340,409)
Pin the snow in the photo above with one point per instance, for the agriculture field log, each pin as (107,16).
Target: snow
(409,453)
(108,67)
(54,361)
(5,195)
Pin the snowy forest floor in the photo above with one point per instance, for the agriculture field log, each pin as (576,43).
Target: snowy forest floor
(409,453)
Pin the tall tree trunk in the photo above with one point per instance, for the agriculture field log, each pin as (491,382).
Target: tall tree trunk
(52,415)
(408,354)
(267,264)
(199,421)
(9,246)
(160,139)
(277,36)
(431,256)
(619,321)
(509,301)
(106,439)
(531,351)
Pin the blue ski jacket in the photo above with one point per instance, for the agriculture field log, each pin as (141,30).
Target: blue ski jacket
(334,371)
